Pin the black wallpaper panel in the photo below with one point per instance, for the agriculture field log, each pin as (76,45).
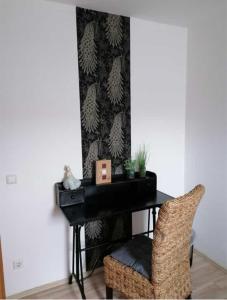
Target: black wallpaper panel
(104,75)
(104,78)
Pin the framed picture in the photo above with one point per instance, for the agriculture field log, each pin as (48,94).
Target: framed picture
(103,171)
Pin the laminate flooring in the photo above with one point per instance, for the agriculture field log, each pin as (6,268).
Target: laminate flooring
(208,280)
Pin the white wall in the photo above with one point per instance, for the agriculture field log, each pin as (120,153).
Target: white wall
(40,133)
(158,87)
(206,138)
(40,126)
(158,95)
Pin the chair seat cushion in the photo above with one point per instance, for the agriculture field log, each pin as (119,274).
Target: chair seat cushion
(136,254)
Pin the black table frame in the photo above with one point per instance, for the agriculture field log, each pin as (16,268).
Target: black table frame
(77,250)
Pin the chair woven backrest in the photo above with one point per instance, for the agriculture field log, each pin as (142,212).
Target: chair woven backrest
(170,255)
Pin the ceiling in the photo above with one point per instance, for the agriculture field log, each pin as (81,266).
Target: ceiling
(174,12)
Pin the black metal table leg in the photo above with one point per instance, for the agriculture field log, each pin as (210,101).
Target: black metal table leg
(77,254)
(73,258)
(79,264)
(191,255)
(148,224)
(154,217)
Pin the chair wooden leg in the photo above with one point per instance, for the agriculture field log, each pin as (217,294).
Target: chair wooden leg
(109,293)
(189,297)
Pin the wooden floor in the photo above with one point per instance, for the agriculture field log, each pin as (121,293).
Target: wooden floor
(209,282)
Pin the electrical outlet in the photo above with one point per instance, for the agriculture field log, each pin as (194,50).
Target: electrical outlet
(11,179)
(17,264)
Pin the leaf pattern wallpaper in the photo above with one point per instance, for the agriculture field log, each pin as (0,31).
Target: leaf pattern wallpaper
(115,82)
(90,110)
(103,42)
(87,50)
(114,29)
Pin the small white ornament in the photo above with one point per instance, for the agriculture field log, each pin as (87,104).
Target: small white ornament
(69,181)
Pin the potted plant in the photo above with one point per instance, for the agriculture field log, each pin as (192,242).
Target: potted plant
(130,166)
(141,160)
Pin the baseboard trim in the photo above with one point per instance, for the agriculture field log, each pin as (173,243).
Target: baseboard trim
(47,286)
(212,261)
(38,289)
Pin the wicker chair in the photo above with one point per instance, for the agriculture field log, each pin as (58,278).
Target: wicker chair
(166,273)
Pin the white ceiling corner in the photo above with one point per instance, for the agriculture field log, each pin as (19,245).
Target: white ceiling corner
(174,12)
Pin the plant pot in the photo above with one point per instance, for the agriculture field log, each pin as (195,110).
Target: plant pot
(142,172)
(130,174)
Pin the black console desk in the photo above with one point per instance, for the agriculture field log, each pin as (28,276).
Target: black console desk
(99,202)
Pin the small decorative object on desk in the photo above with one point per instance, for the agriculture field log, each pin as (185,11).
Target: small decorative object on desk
(69,181)
(103,171)
(142,157)
(130,166)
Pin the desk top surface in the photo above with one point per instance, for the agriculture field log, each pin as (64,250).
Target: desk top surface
(97,209)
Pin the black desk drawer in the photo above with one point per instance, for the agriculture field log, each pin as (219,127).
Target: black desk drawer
(67,197)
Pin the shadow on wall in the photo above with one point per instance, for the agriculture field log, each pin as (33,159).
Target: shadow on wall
(56,213)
